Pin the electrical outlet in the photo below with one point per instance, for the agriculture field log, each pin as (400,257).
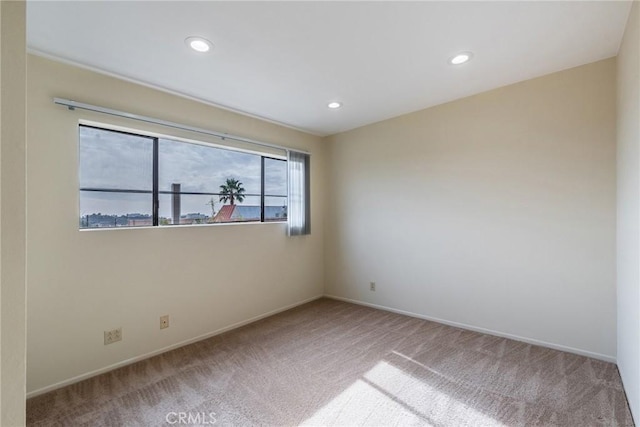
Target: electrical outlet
(372,286)
(112,336)
(164,321)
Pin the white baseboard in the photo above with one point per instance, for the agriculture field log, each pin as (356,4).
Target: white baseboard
(483,330)
(135,359)
(126,362)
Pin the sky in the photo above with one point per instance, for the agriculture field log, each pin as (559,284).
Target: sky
(117,160)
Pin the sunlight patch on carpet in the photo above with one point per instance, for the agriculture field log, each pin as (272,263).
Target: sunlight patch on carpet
(390,396)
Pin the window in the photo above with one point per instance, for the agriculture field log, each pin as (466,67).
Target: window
(130,180)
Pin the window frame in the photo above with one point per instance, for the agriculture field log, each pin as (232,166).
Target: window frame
(156,192)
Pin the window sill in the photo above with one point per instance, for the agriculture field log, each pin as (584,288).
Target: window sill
(161,227)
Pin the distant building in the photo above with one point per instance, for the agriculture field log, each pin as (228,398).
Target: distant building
(139,220)
(194,218)
(99,220)
(240,213)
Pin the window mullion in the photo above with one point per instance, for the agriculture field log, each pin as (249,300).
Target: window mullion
(262,189)
(155,196)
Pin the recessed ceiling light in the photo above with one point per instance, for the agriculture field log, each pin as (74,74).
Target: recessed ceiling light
(333,105)
(199,44)
(461,58)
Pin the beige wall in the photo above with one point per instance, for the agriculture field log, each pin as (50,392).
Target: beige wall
(628,244)
(12,207)
(496,211)
(207,278)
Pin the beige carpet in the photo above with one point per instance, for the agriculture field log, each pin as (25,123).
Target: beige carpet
(333,363)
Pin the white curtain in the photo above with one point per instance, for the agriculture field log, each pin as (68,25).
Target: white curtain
(299,201)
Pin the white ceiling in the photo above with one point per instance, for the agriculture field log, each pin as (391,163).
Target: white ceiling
(284,61)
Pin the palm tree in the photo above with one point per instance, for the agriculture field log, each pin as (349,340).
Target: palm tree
(231,191)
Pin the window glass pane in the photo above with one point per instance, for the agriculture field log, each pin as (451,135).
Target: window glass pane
(115,160)
(275,177)
(108,209)
(203,169)
(275,208)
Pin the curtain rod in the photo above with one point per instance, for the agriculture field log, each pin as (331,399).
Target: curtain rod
(72,105)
